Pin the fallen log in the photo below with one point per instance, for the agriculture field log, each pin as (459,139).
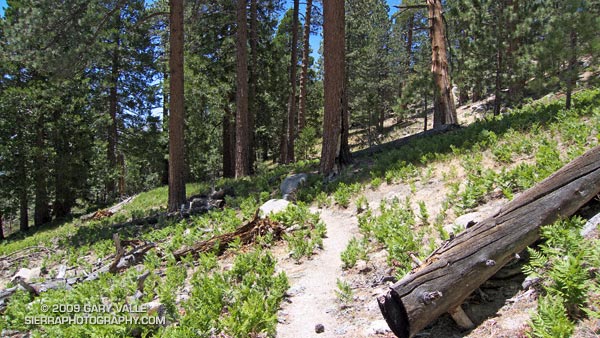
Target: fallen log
(121,262)
(246,233)
(193,209)
(465,262)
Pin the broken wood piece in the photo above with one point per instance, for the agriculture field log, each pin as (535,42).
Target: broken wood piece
(462,264)
(141,279)
(27,286)
(246,233)
(414,258)
(62,271)
(118,255)
(460,317)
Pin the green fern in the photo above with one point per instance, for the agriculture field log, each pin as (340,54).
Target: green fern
(551,320)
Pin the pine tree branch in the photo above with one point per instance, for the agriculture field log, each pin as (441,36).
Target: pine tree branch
(411,6)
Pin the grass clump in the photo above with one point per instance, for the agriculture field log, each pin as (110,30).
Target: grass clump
(356,249)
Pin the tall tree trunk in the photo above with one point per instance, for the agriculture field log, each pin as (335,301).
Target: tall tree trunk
(42,208)
(113,107)
(229,139)
(304,71)
(381,109)
(176,116)
(165,122)
(241,118)
(334,85)
(1,227)
(572,71)
(253,82)
(283,148)
(444,110)
(424,112)
(292,108)
(476,94)
(122,173)
(498,84)
(63,196)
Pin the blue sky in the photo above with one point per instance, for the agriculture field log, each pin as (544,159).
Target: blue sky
(2,5)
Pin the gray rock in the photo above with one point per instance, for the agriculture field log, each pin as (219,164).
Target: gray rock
(272,207)
(379,327)
(319,328)
(362,266)
(468,220)
(27,275)
(290,185)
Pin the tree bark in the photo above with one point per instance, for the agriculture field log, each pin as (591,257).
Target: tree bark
(462,264)
(445,112)
(304,71)
(334,85)
(292,108)
(176,116)
(241,118)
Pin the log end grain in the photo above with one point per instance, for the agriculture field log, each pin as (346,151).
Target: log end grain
(395,315)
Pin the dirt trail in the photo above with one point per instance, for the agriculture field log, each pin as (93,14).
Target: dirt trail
(313,283)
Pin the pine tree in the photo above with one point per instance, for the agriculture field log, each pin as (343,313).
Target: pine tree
(369,64)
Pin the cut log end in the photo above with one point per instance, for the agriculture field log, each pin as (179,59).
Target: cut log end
(395,315)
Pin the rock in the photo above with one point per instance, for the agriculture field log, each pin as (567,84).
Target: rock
(362,266)
(156,308)
(181,298)
(468,220)
(272,207)
(293,228)
(530,282)
(290,185)
(340,331)
(590,226)
(27,275)
(319,328)
(379,327)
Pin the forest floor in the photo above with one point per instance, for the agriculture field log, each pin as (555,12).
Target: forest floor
(499,308)
(441,189)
